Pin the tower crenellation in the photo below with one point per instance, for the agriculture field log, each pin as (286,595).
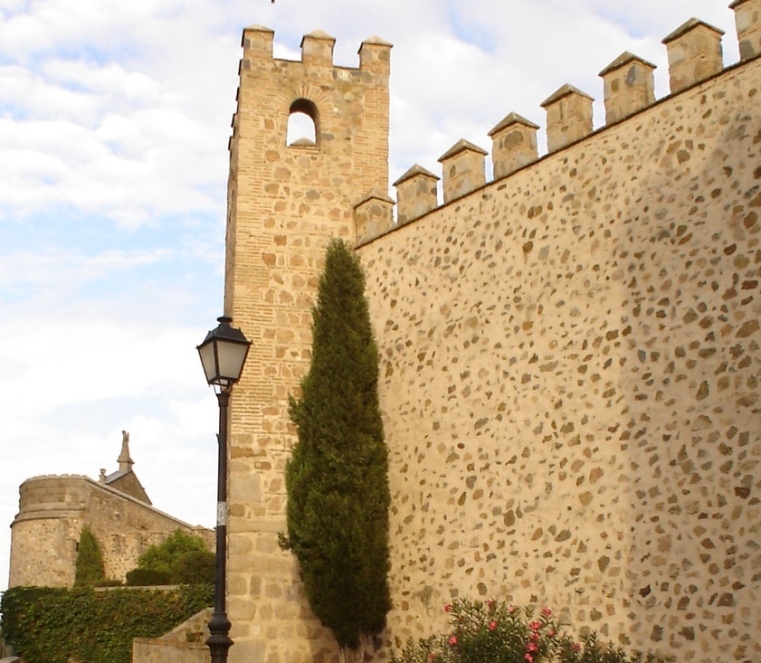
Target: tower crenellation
(695,54)
(317,49)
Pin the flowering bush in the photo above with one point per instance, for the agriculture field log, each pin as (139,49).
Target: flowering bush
(497,632)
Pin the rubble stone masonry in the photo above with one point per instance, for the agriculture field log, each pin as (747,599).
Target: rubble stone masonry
(570,375)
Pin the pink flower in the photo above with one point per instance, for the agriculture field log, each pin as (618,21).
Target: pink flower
(535,625)
(576,646)
(453,641)
(546,611)
(529,658)
(448,607)
(511,608)
(532,646)
(490,604)
(535,637)
(492,625)
(551,634)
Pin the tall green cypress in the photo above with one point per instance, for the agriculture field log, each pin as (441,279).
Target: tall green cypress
(337,477)
(89,567)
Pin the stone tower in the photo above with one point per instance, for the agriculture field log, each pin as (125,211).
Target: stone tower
(285,201)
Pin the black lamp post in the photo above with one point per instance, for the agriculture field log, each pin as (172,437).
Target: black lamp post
(223,353)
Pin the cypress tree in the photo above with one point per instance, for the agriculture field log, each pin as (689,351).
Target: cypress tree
(337,476)
(89,567)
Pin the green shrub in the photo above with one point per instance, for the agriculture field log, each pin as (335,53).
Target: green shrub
(54,625)
(148,578)
(165,556)
(194,568)
(496,632)
(89,566)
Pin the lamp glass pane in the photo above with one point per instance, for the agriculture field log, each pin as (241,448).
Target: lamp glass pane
(231,358)
(209,363)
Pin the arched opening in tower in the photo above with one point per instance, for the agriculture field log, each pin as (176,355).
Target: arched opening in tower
(302,123)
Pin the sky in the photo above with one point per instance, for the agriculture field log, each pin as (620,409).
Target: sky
(114,122)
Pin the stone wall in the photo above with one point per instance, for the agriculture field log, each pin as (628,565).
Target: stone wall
(569,375)
(183,644)
(52,512)
(569,354)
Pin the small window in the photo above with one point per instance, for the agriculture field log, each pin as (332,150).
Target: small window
(302,123)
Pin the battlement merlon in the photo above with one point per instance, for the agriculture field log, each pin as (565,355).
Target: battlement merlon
(257,42)
(317,49)
(463,167)
(694,53)
(513,144)
(628,86)
(375,55)
(416,193)
(373,216)
(569,117)
(748,24)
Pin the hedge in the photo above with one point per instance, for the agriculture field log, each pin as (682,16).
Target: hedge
(53,625)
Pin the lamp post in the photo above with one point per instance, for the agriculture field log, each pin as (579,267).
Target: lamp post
(223,353)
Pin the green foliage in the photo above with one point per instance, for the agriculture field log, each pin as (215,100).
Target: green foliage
(496,632)
(182,559)
(337,477)
(195,568)
(89,568)
(148,578)
(165,556)
(52,625)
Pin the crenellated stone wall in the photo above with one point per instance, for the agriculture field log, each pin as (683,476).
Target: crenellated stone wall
(52,511)
(569,352)
(569,370)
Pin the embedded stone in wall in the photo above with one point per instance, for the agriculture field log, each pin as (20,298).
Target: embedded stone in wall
(628,86)
(373,215)
(463,168)
(513,144)
(694,52)
(569,116)
(416,194)
(748,24)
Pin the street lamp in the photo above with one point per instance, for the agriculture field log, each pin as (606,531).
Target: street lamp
(223,353)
